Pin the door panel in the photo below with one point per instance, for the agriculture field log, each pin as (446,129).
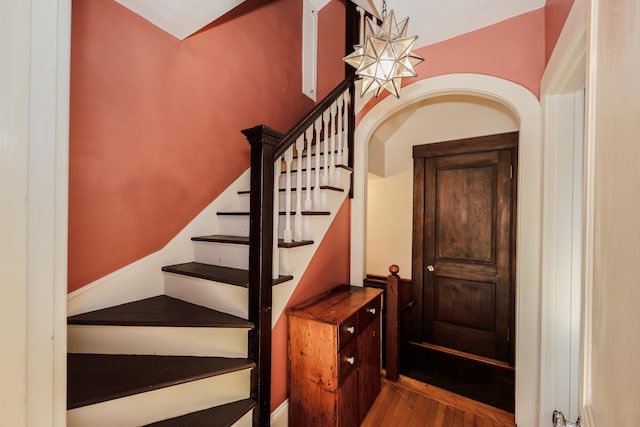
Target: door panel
(464,208)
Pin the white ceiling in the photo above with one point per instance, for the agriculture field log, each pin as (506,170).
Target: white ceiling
(431,20)
(181,18)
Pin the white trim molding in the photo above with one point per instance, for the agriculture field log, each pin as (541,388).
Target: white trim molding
(310,10)
(526,108)
(562,89)
(280,417)
(47,211)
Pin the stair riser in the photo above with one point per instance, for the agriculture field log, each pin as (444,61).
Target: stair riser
(245,421)
(223,254)
(325,179)
(320,204)
(168,402)
(230,255)
(165,341)
(238,225)
(294,164)
(218,296)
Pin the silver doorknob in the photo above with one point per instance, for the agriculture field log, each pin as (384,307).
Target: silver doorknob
(430,268)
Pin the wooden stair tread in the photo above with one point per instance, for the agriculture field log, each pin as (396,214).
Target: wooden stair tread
(219,416)
(216,273)
(313,168)
(244,240)
(322,187)
(160,310)
(245,213)
(94,378)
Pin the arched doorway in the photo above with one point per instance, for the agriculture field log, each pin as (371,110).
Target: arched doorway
(526,108)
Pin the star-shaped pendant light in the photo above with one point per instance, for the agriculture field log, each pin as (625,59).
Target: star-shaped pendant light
(385,57)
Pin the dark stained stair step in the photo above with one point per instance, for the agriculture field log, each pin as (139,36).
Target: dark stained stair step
(219,416)
(160,310)
(94,378)
(216,273)
(244,240)
(304,169)
(304,213)
(322,187)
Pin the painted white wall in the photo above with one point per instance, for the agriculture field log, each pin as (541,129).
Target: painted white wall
(613,232)
(15,31)
(390,197)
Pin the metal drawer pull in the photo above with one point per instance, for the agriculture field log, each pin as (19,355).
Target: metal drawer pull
(371,310)
(351,360)
(351,330)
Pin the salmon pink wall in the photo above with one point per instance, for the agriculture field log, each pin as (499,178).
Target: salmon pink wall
(555,15)
(330,47)
(155,122)
(512,49)
(329,268)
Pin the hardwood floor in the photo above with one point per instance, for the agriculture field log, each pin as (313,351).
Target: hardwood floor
(409,403)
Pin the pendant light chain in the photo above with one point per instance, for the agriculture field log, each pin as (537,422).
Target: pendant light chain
(384,9)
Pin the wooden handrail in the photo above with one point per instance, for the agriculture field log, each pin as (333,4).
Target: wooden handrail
(307,121)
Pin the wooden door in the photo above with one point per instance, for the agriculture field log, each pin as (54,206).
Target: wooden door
(463,249)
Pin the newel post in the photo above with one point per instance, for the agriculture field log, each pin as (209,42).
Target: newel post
(393,312)
(263,141)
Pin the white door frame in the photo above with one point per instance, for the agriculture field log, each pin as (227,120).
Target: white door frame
(47,212)
(562,96)
(526,108)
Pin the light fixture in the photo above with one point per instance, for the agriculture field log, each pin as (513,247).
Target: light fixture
(386,55)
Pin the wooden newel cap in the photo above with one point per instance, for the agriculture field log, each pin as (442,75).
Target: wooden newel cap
(394,269)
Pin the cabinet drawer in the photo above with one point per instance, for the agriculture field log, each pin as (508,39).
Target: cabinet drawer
(347,360)
(368,313)
(347,330)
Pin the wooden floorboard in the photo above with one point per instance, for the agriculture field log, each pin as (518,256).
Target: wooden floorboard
(410,403)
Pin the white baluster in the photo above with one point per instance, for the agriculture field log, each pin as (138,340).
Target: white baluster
(298,218)
(316,188)
(345,151)
(288,158)
(276,217)
(332,148)
(326,116)
(309,136)
(339,130)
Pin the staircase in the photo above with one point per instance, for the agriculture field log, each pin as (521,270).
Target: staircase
(199,355)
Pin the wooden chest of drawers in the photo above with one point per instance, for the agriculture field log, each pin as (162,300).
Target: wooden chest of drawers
(334,358)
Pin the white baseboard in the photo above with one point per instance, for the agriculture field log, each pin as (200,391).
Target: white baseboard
(280,417)
(144,278)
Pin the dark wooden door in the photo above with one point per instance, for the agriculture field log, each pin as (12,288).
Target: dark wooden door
(463,254)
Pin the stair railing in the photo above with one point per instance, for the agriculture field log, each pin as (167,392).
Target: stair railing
(322,140)
(319,143)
